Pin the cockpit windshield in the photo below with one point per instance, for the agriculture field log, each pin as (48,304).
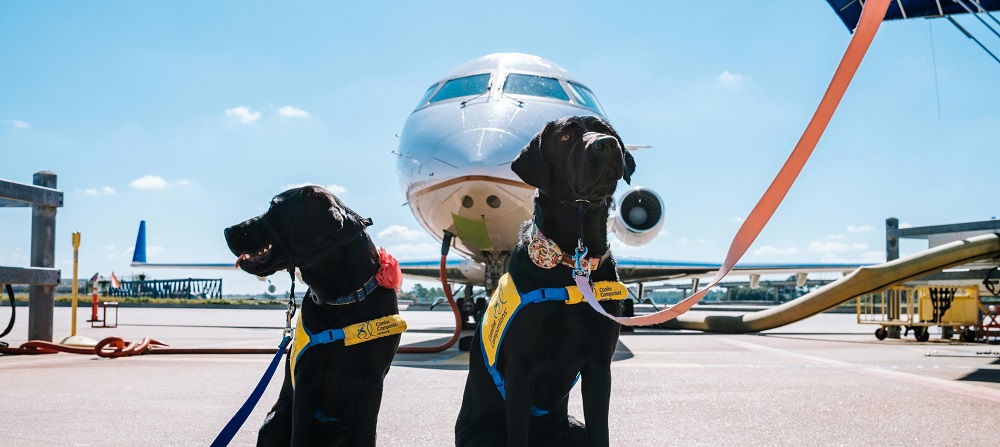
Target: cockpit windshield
(524,84)
(427,95)
(585,97)
(467,86)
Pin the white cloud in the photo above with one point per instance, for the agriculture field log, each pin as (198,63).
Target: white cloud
(16,123)
(905,225)
(835,247)
(737,219)
(243,114)
(149,182)
(727,78)
(769,250)
(411,251)
(292,112)
(859,228)
(335,189)
(400,232)
(106,191)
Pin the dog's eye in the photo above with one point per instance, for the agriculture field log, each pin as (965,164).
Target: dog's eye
(564,137)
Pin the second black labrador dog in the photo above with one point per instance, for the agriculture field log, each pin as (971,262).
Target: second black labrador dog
(349,326)
(521,398)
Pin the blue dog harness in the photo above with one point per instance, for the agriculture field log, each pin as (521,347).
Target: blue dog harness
(506,302)
(351,335)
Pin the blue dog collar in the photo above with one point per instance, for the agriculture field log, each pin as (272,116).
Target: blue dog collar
(353,297)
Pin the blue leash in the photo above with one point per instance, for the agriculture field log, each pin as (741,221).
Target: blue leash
(229,431)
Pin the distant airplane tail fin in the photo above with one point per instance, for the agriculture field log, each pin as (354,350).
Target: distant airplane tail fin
(139,254)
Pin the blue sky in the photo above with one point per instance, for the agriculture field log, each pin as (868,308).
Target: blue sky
(192,115)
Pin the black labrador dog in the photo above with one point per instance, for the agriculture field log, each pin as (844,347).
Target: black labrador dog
(575,164)
(332,393)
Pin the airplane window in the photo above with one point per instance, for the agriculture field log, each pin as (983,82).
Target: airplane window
(522,84)
(585,97)
(427,95)
(467,86)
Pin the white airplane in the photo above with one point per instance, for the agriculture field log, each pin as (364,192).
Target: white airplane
(455,152)
(454,159)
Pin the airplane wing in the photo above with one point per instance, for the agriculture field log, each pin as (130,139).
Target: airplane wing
(632,270)
(457,270)
(139,256)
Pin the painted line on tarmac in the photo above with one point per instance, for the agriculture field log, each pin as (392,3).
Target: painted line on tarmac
(965,389)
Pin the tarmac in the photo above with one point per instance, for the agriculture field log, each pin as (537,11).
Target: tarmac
(823,381)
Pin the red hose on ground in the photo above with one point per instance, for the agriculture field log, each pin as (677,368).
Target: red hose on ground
(454,308)
(113,347)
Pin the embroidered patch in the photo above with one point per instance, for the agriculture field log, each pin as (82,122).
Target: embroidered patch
(370,330)
(544,252)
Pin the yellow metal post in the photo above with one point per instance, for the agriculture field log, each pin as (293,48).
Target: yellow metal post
(73,339)
(76,262)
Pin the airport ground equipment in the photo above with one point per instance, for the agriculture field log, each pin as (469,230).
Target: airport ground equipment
(862,281)
(104,322)
(41,276)
(919,308)
(989,327)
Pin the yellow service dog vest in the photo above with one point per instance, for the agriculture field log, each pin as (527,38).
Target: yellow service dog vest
(352,335)
(506,302)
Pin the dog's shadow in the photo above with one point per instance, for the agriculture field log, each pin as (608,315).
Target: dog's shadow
(454,359)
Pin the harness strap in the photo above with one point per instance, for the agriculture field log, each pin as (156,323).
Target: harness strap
(351,335)
(503,307)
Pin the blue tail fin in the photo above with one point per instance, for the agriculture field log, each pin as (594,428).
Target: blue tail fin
(139,255)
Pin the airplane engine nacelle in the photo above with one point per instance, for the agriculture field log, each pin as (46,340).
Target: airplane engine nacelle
(639,217)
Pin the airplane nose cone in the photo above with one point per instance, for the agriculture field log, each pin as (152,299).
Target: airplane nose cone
(482,145)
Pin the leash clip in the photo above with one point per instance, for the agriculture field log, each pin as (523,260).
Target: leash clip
(290,312)
(581,252)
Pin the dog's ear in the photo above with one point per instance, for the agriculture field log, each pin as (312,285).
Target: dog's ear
(629,163)
(530,163)
(324,221)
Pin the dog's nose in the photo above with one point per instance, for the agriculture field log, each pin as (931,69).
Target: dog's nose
(600,142)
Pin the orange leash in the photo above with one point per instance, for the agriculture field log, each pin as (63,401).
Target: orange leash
(871,17)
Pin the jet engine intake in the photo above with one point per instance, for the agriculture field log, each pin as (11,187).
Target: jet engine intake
(638,217)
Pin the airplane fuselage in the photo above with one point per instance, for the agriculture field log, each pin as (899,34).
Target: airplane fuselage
(456,148)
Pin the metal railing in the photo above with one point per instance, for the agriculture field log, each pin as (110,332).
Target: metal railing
(42,277)
(170,288)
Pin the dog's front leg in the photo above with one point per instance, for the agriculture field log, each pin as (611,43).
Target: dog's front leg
(367,417)
(520,394)
(304,399)
(596,391)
